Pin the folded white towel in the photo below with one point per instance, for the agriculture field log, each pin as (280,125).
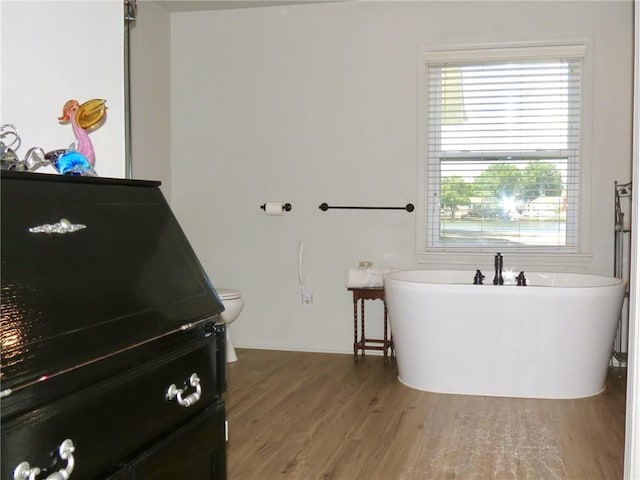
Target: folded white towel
(371,277)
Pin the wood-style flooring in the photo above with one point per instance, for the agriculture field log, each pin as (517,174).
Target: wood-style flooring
(299,415)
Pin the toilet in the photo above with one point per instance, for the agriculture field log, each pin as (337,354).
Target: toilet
(233,303)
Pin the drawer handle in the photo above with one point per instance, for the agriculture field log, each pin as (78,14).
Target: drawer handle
(175,392)
(63,226)
(65,450)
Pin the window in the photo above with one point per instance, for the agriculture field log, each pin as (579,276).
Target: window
(503,157)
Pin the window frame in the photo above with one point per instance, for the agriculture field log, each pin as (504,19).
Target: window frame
(575,257)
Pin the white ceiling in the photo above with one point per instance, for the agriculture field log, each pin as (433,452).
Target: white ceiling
(196,5)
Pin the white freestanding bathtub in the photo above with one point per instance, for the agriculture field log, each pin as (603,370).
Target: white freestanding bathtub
(550,339)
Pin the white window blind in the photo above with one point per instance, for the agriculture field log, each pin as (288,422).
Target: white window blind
(503,148)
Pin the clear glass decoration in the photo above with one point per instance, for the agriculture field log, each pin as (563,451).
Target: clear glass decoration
(78,159)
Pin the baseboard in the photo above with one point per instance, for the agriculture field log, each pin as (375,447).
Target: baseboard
(295,348)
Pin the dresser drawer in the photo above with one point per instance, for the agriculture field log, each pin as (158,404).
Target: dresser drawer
(113,419)
(196,450)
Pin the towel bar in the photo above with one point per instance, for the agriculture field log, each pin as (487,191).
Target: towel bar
(324,207)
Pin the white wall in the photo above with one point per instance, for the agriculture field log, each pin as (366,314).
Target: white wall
(55,51)
(317,103)
(150,94)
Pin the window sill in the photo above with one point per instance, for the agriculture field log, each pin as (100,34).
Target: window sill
(547,261)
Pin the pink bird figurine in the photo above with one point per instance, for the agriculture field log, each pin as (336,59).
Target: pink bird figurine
(84,117)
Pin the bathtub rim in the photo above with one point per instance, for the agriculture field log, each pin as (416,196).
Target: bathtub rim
(466,279)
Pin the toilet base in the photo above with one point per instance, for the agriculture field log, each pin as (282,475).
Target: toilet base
(231,352)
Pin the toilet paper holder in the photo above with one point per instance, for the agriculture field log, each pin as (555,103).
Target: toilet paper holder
(286,207)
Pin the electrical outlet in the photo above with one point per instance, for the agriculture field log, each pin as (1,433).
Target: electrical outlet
(365,264)
(307,298)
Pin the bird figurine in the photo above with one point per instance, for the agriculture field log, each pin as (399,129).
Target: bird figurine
(83,118)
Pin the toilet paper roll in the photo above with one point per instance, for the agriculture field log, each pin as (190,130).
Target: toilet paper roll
(274,208)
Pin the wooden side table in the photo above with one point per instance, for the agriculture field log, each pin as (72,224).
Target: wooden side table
(361,342)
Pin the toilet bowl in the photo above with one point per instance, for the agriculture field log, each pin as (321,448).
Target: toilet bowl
(233,304)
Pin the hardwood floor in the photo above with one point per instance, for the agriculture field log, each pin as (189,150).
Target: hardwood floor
(299,415)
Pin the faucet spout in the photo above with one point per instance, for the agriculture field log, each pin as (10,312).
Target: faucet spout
(497,279)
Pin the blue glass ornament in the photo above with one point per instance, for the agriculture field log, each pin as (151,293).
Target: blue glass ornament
(74,163)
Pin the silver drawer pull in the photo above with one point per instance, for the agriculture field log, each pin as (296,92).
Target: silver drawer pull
(175,392)
(63,226)
(65,450)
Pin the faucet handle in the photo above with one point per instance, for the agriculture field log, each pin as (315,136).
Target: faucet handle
(521,279)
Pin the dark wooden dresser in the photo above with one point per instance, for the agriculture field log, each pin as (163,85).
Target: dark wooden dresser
(113,362)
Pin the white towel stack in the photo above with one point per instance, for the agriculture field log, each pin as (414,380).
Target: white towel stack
(367,277)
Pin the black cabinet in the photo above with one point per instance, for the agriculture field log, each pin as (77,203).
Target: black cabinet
(113,362)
